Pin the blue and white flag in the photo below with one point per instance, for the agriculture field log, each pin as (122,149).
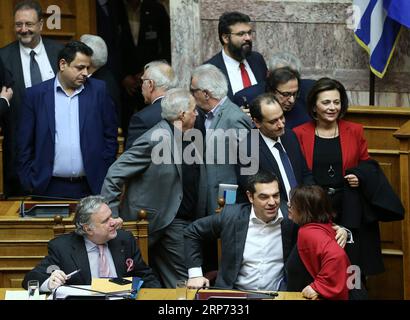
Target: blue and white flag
(398,10)
(377,33)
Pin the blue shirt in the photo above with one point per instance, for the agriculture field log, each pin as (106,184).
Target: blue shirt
(68,160)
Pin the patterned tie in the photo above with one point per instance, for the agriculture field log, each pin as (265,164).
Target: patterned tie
(245,76)
(287,165)
(104,268)
(35,73)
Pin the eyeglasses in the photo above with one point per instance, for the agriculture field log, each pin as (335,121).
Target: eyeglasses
(243,33)
(29,25)
(288,94)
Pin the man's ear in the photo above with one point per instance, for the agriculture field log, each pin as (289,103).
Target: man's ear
(225,38)
(87,228)
(62,64)
(250,197)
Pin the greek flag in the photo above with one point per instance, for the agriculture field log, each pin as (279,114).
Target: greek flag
(398,10)
(376,32)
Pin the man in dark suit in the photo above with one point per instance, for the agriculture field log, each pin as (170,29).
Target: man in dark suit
(28,26)
(241,66)
(269,119)
(67,137)
(157,79)
(6,93)
(256,240)
(95,248)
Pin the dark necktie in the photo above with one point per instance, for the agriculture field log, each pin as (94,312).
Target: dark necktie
(245,76)
(286,165)
(35,73)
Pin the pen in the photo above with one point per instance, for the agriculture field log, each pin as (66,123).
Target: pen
(73,273)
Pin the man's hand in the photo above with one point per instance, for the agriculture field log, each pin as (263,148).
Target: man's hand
(57,278)
(352,180)
(341,235)
(309,293)
(246,111)
(117,223)
(197,282)
(6,93)
(131,84)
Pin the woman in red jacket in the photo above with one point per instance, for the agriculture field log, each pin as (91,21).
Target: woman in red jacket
(317,266)
(329,144)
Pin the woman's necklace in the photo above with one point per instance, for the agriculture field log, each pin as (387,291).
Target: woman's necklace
(330,171)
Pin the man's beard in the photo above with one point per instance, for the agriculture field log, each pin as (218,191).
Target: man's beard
(242,52)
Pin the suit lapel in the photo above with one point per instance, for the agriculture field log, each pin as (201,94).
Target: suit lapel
(118,255)
(83,103)
(345,136)
(241,231)
(80,258)
(16,68)
(49,100)
(287,243)
(225,71)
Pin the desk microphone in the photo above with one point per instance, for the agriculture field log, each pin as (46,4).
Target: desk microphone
(272,294)
(104,294)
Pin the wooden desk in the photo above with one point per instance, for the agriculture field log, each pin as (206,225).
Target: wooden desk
(23,242)
(170,294)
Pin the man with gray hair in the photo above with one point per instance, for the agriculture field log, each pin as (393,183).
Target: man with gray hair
(99,70)
(209,88)
(158,77)
(157,161)
(96,249)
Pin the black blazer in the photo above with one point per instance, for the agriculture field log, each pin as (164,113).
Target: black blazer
(267,162)
(255,60)
(68,252)
(231,226)
(3,103)
(11,54)
(142,121)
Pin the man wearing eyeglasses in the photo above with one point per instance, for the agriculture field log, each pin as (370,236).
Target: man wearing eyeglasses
(30,60)
(242,67)
(283,83)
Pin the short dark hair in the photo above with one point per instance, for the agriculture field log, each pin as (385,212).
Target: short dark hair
(326,84)
(280,76)
(256,105)
(228,19)
(262,176)
(27,5)
(312,205)
(70,50)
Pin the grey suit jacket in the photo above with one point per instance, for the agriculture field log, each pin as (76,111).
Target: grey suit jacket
(229,116)
(231,226)
(156,188)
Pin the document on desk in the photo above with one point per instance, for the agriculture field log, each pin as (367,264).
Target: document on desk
(63,292)
(20,295)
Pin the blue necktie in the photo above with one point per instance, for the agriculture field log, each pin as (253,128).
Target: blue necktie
(287,165)
(35,73)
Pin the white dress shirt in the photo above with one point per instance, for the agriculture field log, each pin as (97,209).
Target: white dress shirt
(275,152)
(234,72)
(42,60)
(262,263)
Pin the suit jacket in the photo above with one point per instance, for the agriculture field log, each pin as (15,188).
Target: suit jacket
(69,253)
(142,121)
(4,107)
(267,162)
(11,54)
(143,175)
(231,226)
(255,60)
(36,137)
(352,142)
(229,116)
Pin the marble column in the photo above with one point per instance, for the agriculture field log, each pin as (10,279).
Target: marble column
(186,40)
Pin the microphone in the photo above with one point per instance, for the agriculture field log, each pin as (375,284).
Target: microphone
(271,294)
(104,294)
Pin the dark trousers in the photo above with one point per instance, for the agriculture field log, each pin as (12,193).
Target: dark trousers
(63,188)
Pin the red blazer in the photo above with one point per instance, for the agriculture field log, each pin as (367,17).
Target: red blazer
(352,141)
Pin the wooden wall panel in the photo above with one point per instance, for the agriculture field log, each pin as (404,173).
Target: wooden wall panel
(381,126)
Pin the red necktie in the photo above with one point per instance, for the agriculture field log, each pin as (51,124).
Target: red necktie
(245,76)
(103,263)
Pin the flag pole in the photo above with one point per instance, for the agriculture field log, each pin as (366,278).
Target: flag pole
(371,88)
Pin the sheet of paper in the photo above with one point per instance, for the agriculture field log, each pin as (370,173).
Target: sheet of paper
(104,285)
(20,295)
